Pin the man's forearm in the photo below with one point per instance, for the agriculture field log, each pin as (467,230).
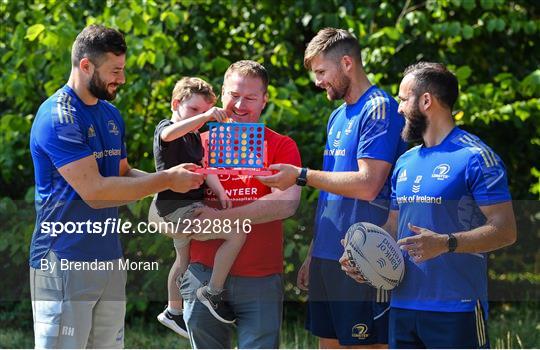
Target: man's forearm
(114,191)
(310,249)
(483,239)
(498,231)
(391,223)
(352,184)
(136,173)
(131,173)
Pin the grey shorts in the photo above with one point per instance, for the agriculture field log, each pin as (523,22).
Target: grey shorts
(179,215)
(76,308)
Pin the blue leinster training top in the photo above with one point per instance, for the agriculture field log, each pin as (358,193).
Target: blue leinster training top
(66,130)
(369,129)
(441,188)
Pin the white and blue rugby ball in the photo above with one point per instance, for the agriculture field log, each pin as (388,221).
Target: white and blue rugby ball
(376,255)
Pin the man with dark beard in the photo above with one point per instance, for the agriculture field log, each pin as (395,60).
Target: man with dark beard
(450,205)
(363,144)
(82,175)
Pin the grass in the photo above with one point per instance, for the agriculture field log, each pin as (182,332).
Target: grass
(510,326)
(515,327)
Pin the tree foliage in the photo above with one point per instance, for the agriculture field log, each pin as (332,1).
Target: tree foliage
(492,46)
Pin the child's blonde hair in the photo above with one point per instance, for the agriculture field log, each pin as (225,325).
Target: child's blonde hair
(188,86)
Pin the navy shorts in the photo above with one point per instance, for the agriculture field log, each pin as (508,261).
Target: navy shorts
(414,329)
(341,308)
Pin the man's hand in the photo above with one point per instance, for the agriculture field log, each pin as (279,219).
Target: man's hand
(206,213)
(424,245)
(224,200)
(351,271)
(302,280)
(285,178)
(217,114)
(182,178)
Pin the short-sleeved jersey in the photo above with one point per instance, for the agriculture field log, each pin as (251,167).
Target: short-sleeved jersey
(66,130)
(262,253)
(442,188)
(368,129)
(185,149)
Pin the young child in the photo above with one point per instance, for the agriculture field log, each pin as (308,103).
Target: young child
(177,141)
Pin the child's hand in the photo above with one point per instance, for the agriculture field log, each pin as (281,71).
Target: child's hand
(224,200)
(217,114)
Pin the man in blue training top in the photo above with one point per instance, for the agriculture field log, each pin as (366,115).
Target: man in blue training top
(362,145)
(450,206)
(82,175)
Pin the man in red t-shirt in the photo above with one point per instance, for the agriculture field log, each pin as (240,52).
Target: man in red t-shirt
(254,286)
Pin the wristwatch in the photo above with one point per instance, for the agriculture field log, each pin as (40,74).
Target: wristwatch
(452,243)
(301,180)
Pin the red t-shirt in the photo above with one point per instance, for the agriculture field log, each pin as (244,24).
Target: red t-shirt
(262,253)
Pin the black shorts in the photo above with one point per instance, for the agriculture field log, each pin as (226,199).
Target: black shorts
(415,329)
(341,308)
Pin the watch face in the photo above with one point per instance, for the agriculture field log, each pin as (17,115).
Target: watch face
(301,180)
(452,243)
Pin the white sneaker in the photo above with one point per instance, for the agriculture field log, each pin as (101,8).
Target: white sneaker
(174,322)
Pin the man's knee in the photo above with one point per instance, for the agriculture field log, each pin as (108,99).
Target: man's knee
(328,343)
(204,330)
(271,327)
(198,318)
(193,321)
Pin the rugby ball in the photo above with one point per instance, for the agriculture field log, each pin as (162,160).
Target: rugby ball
(376,255)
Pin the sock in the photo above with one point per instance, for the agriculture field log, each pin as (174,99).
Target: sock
(173,311)
(213,291)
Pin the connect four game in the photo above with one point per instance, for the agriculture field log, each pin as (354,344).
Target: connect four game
(236,148)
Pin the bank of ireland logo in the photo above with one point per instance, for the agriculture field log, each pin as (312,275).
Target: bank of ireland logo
(416,185)
(113,129)
(360,331)
(337,140)
(402,176)
(441,172)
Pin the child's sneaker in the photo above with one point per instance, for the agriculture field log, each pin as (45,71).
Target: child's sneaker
(218,307)
(174,322)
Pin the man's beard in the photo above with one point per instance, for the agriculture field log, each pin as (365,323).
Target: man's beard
(98,88)
(340,88)
(415,126)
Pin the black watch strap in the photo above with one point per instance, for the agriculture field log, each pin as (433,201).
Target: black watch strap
(452,243)
(301,180)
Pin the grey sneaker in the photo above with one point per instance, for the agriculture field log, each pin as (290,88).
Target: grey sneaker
(218,307)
